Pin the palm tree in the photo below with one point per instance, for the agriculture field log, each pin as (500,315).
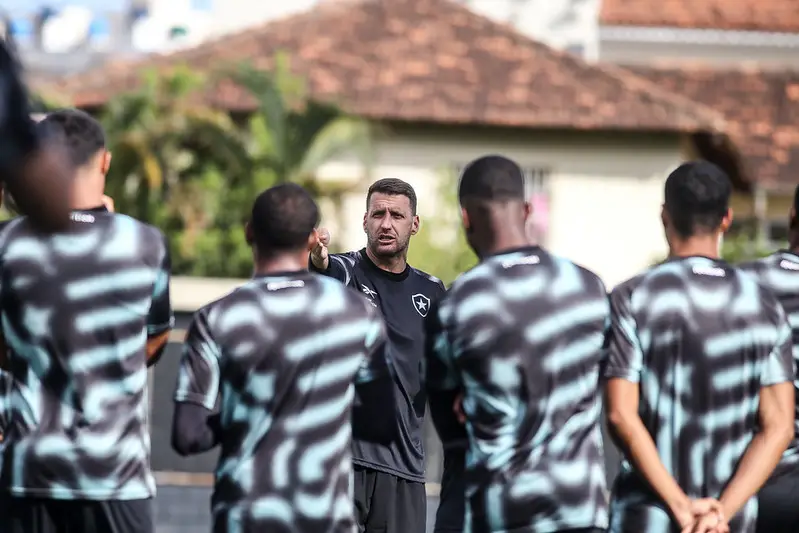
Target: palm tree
(291,135)
(162,137)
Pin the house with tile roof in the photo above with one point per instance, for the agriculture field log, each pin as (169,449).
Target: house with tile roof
(740,58)
(448,85)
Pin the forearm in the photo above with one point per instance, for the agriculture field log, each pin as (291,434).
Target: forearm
(194,429)
(633,438)
(757,464)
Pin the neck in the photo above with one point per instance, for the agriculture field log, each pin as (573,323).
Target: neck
(502,243)
(85,194)
(272,264)
(793,241)
(395,264)
(704,245)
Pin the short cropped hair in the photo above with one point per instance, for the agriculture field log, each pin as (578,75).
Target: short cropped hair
(283,217)
(392,187)
(77,131)
(697,197)
(492,178)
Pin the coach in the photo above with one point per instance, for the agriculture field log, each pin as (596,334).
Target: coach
(389,478)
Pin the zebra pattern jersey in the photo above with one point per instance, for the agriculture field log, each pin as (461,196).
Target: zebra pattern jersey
(77,308)
(779,273)
(282,354)
(700,338)
(522,335)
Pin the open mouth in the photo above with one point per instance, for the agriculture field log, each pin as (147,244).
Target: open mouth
(385,239)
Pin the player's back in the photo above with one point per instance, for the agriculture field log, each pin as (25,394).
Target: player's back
(699,336)
(76,307)
(779,273)
(527,330)
(287,349)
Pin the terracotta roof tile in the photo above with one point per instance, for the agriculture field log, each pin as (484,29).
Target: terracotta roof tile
(762,112)
(752,15)
(424,60)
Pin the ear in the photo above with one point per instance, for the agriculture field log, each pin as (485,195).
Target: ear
(248,234)
(415,225)
(105,162)
(664,217)
(313,238)
(528,210)
(726,222)
(465,219)
(364,221)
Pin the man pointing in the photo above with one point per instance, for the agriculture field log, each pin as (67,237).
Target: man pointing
(389,478)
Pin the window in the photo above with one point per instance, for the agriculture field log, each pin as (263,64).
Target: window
(535,179)
(776,230)
(576,49)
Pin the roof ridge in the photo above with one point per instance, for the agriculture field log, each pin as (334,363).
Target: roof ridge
(619,73)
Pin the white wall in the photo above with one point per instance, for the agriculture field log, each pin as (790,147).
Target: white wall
(605,189)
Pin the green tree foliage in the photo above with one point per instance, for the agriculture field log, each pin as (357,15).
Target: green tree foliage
(193,172)
(440,247)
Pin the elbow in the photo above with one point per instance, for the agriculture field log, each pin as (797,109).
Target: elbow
(182,445)
(617,419)
(781,433)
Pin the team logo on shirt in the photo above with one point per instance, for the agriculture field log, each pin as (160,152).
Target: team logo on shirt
(421,303)
(370,294)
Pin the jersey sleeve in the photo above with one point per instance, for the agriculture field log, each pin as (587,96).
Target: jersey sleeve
(377,364)
(160,317)
(339,266)
(18,135)
(198,374)
(779,366)
(624,357)
(440,374)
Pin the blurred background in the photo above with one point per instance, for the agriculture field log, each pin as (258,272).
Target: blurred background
(208,102)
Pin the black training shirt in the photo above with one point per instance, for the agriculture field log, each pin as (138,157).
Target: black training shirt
(404,299)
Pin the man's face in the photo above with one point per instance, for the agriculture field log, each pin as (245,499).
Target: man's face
(389,224)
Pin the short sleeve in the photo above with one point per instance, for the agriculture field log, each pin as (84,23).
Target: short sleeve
(440,372)
(160,317)
(377,364)
(779,366)
(339,266)
(624,357)
(198,374)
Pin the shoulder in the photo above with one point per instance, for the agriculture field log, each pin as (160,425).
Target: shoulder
(589,278)
(435,284)
(347,259)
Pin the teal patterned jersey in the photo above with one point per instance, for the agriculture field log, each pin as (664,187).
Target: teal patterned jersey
(700,338)
(77,309)
(779,273)
(522,335)
(284,356)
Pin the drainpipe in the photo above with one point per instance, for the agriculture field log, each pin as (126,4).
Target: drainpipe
(761,216)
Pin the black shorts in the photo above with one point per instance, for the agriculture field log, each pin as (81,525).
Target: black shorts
(388,504)
(777,509)
(34,515)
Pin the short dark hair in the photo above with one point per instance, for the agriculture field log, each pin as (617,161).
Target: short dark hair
(78,131)
(492,178)
(283,217)
(697,197)
(392,187)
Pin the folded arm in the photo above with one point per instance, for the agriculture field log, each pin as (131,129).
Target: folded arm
(374,409)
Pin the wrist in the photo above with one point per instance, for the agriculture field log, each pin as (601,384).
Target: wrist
(319,262)
(679,504)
